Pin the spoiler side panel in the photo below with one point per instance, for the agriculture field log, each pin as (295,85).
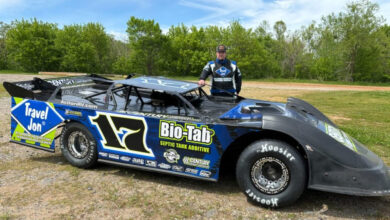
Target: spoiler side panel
(34,123)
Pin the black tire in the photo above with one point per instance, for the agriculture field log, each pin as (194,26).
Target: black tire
(271,173)
(78,145)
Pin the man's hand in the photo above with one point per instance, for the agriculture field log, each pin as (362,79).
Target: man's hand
(201,82)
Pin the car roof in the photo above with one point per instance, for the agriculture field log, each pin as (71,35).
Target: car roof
(160,83)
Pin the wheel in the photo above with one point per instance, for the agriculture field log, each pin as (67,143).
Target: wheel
(271,173)
(78,145)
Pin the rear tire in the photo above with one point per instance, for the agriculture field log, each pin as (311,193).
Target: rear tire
(271,173)
(78,145)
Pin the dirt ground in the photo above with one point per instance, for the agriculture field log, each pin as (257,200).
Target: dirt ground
(40,185)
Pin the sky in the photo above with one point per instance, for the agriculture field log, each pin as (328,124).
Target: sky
(114,14)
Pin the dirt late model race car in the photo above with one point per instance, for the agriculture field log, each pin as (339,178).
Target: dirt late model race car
(276,150)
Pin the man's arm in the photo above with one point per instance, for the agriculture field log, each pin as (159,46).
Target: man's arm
(238,79)
(205,73)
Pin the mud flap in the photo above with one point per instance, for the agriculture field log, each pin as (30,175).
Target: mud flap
(34,123)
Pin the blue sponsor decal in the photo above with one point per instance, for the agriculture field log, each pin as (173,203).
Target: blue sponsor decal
(223,71)
(37,118)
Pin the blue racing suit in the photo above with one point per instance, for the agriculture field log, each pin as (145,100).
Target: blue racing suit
(225,76)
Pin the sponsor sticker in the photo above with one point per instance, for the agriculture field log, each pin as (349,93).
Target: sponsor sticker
(79,104)
(103,154)
(151,163)
(37,118)
(75,113)
(138,161)
(164,166)
(191,132)
(125,158)
(177,168)
(196,162)
(113,156)
(205,173)
(191,170)
(171,156)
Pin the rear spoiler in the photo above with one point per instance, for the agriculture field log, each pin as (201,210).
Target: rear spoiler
(42,88)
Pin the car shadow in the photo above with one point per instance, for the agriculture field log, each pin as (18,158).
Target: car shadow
(312,203)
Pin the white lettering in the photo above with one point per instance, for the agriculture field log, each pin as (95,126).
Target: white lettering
(197,135)
(164,129)
(270,202)
(190,129)
(277,149)
(178,133)
(191,132)
(34,126)
(33,113)
(171,130)
(264,148)
(206,136)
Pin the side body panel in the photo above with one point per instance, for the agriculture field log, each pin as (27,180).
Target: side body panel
(34,123)
(179,145)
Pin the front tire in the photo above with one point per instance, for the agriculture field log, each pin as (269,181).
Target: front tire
(78,145)
(271,173)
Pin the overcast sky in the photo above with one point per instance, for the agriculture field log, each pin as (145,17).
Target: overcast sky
(114,14)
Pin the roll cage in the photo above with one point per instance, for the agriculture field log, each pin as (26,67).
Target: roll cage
(127,97)
(141,94)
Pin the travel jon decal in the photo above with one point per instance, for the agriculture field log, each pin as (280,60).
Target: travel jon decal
(34,122)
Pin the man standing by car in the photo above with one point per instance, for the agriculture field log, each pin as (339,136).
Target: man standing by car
(226,77)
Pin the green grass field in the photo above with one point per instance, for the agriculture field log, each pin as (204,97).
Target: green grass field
(364,115)
(14,72)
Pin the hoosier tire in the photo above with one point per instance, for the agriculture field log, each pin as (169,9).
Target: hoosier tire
(271,173)
(78,145)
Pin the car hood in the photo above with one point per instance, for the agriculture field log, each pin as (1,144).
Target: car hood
(250,109)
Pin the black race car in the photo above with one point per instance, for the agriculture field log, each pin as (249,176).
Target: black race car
(153,123)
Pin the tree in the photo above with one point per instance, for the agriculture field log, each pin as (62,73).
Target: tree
(95,34)
(30,44)
(3,50)
(147,44)
(189,52)
(280,28)
(84,48)
(353,38)
(250,54)
(120,57)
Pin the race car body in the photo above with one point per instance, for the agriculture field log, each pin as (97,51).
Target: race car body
(174,127)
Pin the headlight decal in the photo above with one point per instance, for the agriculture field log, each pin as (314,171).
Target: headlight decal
(340,136)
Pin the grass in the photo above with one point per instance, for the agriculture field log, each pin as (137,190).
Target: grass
(317,82)
(364,115)
(5,216)
(15,72)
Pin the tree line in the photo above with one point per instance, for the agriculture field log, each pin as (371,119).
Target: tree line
(352,45)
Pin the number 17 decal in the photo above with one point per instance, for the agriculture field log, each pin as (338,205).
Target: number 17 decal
(122,133)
